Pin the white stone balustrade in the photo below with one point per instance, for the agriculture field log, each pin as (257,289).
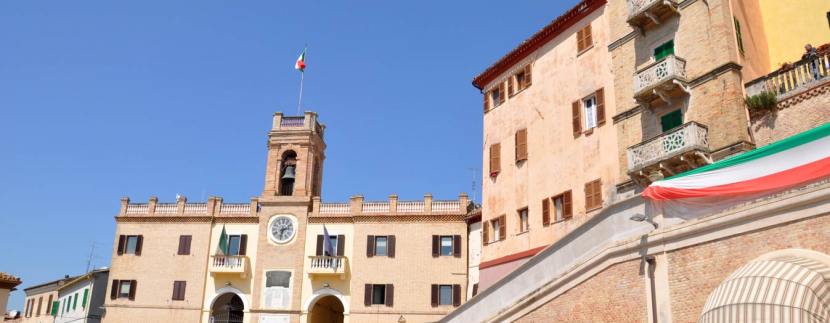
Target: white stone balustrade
(662,72)
(685,138)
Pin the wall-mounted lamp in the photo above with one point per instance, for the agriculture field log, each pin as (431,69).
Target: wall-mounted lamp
(643,218)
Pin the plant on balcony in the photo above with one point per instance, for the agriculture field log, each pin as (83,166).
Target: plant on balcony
(761,102)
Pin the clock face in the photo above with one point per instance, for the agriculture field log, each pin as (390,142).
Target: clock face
(282,229)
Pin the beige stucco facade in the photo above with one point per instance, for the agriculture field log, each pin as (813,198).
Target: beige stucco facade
(241,264)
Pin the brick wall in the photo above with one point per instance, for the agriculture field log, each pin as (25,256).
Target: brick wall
(799,113)
(616,294)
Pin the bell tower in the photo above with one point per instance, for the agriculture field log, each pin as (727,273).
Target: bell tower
(295,156)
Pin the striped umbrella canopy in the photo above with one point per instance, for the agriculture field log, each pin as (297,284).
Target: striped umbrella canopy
(786,289)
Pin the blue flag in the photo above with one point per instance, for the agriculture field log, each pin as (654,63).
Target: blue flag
(328,247)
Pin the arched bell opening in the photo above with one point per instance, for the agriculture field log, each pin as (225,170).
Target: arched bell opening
(288,173)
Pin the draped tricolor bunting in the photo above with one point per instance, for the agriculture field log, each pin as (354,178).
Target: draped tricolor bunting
(799,159)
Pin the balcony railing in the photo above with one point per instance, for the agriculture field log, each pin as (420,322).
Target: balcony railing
(292,122)
(641,11)
(659,76)
(228,264)
(688,137)
(327,265)
(799,75)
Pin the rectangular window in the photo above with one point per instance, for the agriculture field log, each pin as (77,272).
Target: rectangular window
(495,159)
(589,107)
(559,214)
(234,241)
(545,212)
(446,245)
(124,289)
(39,305)
(334,246)
(445,295)
(277,293)
(671,120)
(524,224)
(664,50)
(381,246)
(498,228)
(584,39)
(86,294)
(378,294)
(179,287)
(562,209)
(521,145)
(49,308)
(593,195)
(75,301)
(132,245)
(184,244)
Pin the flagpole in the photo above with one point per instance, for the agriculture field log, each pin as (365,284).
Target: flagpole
(300,102)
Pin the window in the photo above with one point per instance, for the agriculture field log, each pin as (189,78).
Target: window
(86,294)
(383,246)
(446,295)
(519,81)
(664,50)
(378,294)
(499,228)
(739,35)
(39,305)
(184,244)
(123,289)
(446,245)
(497,95)
(179,287)
(49,308)
(562,209)
(337,244)
(584,39)
(671,120)
(524,226)
(75,301)
(521,145)
(130,244)
(288,173)
(380,246)
(589,107)
(495,159)
(277,293)
(545,212)
(593,195)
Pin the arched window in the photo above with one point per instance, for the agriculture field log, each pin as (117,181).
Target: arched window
(288,173)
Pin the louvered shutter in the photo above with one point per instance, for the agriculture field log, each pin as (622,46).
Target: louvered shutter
(370,246)
(456,246)
(485,232)
(243,245)
(501,93)
(486,101)
(436,240)
(133,287)
(521,145)
(367,294)
(456,295)
(121,241)
(341,245)
(588,35)
(390,246)
(600,95)
(495,159)
(319,250)
(503,223)
(390,295)
(511,89)
(138,244)
(576,119)
(545,212)
(589,195)
(434,295)
(567,205)
(528,76)
(114,290)
(580,45)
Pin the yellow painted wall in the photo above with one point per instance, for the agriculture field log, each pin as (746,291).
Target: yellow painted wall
(790,24)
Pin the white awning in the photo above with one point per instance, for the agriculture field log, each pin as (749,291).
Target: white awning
(783,289)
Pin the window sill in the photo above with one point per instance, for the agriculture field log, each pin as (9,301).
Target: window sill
(588,132)
(593,209)
(523,232)
(584,50)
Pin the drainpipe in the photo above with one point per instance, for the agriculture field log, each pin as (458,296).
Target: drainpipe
(652,265)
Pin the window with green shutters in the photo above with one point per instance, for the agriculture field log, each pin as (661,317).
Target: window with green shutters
(55,306)
(83,302)
(664,50)
(75,302)
(671,120)
(738,34)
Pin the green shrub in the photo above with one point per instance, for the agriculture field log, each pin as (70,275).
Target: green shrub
(763,101)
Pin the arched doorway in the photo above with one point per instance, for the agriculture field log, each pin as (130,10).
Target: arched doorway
(227,308)
(327,309)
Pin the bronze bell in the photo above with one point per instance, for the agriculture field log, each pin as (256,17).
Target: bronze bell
(289,172)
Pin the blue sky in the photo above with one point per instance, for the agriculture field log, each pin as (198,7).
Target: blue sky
(103,99)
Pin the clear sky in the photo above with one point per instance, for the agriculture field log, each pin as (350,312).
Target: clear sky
(104,99)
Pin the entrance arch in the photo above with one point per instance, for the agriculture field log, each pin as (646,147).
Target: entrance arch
(327,309)
(228,306)
(784,286)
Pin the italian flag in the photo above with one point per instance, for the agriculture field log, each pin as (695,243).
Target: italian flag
(794,161)
(300,64)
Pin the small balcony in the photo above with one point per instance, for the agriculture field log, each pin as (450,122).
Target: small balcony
(327,265)
(793,78)
(675,151)
(229,265)
(643,13)
(664,79)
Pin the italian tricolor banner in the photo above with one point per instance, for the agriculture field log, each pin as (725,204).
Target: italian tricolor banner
(794,161)
(300,64)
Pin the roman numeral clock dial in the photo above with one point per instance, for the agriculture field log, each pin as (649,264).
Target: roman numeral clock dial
(282,229)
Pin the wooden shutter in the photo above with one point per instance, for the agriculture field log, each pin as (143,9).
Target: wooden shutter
(501,93)
(370,246)
(528,76)
(600,95)
(576,119)
(434,295)
(587,36)
(114,290)
(589,195)
(121,241)
(243,244)
(184,245)
(503,223)
(390,246)
(456,295)
(495,159)
(486,101)
(341,244)
(485,232)
(546,212)
(456,246)
(319,251)
(39,305)
(179,290)
(511,89)
(49,305)
(139,242)
(567,205)
(580,45)
(390,295)
(367,294)
(436,240)
(521,145)
(475,289)
(133,286)
(175,296)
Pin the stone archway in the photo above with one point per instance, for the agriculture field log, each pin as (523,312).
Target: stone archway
(327,309)
(227,308)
